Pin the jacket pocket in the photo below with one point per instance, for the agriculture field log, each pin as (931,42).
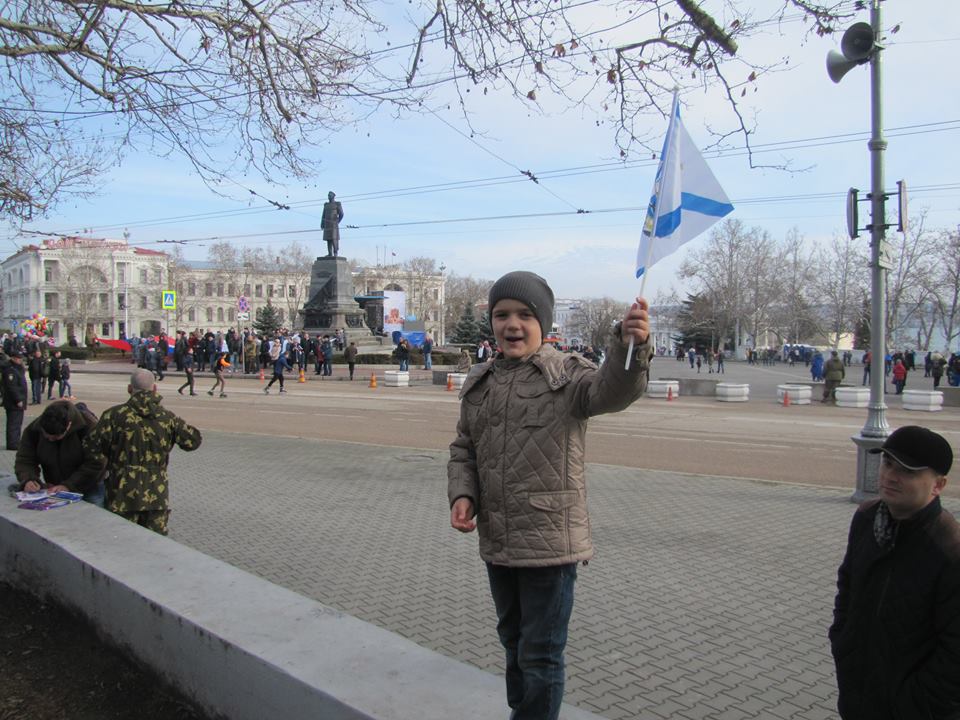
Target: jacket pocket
(536,403)
(555,501)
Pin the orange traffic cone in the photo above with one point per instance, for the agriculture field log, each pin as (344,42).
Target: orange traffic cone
(449,381)
(262,378)
(786,399)
(301,378)
(373,380)
(669,393)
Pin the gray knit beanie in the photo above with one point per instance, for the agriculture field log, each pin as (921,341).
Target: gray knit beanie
(530,289)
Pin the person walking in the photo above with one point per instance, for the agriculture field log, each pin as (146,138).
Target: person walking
(833,374)
(53,373)
(14,397)
(279,365)
(220,366)
(35,368)
(188,363)
(403,354)
(66,389)
(350,355)
(720,360)
(133,442)
(427,349)
(937,363)
(866,367)
(895,636)
(899,376)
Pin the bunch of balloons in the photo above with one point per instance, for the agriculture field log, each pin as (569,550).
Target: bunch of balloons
(36,324)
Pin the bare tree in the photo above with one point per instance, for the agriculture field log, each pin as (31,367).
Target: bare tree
(733,272)
(595,318)
(463,291)
(278,76)
(909,289)
(946,285)
(841,284)
(83,286)
(295,264)
(793,315)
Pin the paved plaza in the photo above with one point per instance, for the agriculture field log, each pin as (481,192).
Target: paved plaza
(709,597)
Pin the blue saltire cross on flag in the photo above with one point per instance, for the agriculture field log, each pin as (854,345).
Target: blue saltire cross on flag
(687,199)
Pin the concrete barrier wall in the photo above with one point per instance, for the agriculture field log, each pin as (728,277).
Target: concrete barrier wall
(239,646)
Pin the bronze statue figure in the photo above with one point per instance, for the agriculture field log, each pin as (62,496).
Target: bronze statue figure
(330,224)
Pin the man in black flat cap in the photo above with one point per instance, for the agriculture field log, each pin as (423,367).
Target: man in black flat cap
(896,629)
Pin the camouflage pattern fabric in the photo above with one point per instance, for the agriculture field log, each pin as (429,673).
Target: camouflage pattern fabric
(135,440)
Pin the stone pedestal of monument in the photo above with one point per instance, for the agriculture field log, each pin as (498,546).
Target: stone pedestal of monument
(331,305)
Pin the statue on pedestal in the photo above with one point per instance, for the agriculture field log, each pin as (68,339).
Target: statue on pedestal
(330,224)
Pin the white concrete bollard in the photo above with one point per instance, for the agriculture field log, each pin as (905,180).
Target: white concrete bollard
(926,400)
(396,378)
(853,397)
(733,392)
(799,394)
(663,388)
(456,379)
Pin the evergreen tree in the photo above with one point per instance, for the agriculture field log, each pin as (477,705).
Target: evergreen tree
(268,320)
(468,330)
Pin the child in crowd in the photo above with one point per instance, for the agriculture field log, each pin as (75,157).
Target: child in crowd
(516,473)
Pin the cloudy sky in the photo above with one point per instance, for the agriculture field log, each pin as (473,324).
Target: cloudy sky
(420,186)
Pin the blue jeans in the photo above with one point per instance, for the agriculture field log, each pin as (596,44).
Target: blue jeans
(533,612)
(37,390)
(427,361)
(404,365)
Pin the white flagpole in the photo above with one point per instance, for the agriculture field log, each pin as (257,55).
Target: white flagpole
(653,231)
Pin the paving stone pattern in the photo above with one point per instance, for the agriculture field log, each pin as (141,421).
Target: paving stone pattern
(708,597)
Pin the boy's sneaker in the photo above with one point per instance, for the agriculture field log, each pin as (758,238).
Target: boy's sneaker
(282,391)
(266,391)
(223,394)
(210,393)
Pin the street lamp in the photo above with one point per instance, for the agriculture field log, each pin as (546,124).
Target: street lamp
(859,46)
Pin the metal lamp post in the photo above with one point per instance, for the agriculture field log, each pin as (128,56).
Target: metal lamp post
(860,46)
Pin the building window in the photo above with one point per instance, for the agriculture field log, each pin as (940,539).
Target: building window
(105,330)
(269,291)
(279,290)
(122,274)
(231,315)
(259,290)
(246,290)
(103,300)
(231,289)
(220,314)
(143,302)
(292,291)
(51,301)
(208,289)
(121,301)
(209,314)
(191,289)
(192,314)
(143,275)
(157,275)
(49,270)
(219,289)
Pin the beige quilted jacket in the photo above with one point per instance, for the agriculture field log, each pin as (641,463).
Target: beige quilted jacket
(519,451)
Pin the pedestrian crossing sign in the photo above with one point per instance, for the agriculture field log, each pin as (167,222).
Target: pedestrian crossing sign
(169,300)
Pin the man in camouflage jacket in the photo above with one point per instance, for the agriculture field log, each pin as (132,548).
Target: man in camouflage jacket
(134,440)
